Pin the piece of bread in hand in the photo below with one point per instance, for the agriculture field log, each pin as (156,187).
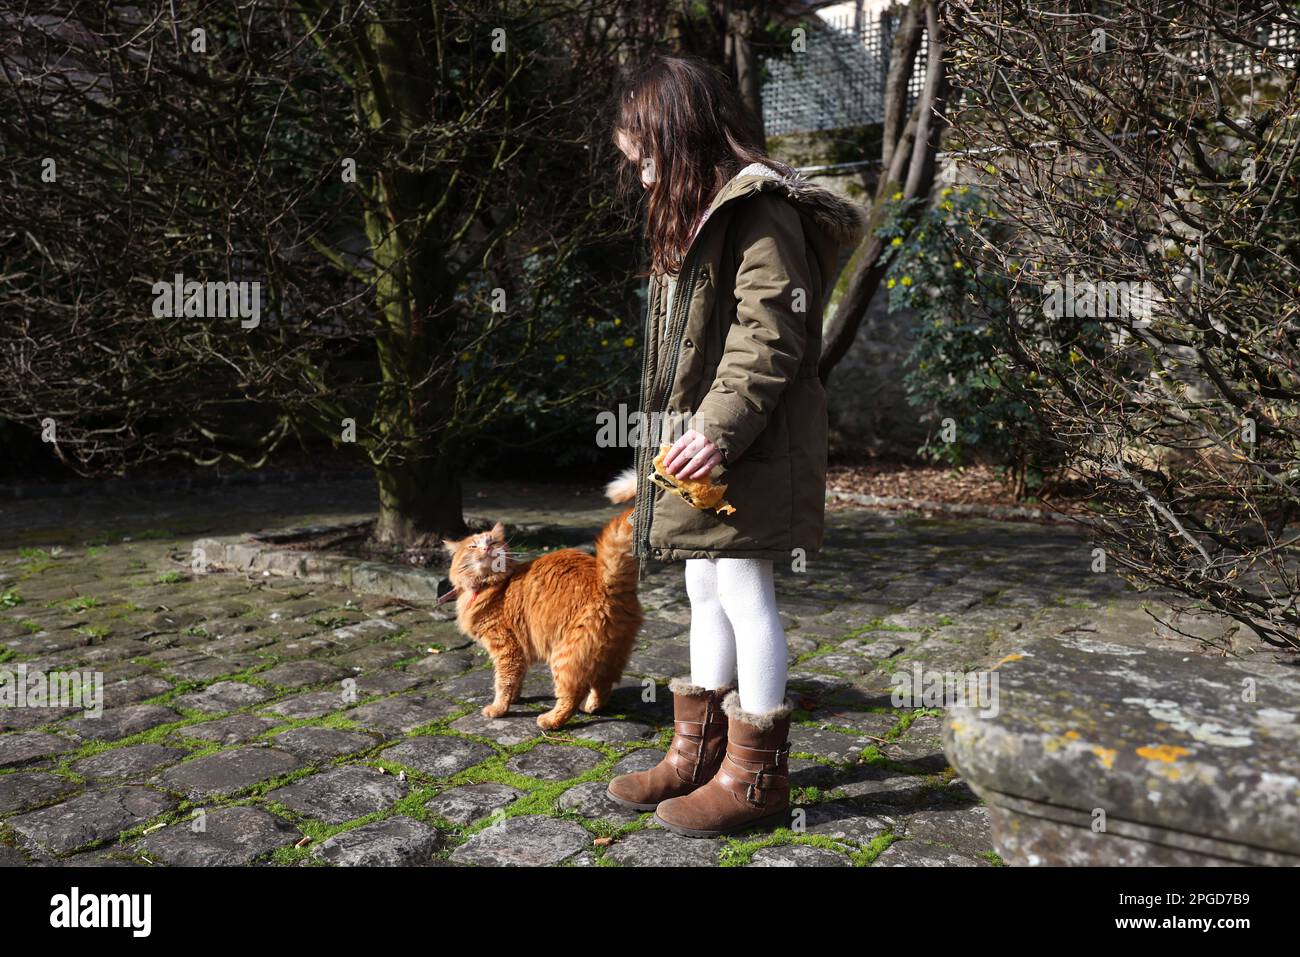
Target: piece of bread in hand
(700,493)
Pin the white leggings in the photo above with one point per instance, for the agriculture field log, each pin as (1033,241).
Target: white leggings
(736,633)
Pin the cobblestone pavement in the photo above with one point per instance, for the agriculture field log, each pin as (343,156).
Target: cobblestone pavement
(283,722)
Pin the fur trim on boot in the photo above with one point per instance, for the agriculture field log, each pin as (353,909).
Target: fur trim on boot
(684,686)
(763,722)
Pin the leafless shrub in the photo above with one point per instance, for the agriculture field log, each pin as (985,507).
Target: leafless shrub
(1143,142)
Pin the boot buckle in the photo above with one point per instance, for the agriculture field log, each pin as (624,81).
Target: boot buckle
(756,785)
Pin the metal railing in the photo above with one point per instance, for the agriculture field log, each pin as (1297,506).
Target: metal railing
(838,80)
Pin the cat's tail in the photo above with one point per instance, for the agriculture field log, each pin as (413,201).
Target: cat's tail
(614,561)
(623,488)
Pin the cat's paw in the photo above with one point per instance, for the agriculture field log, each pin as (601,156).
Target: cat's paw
(549,721)
(495,710)
(592,704)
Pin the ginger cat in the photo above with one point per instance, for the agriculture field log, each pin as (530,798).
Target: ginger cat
(578,613)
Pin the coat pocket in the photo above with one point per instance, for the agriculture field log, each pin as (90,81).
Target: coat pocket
(773,443)
(761,492)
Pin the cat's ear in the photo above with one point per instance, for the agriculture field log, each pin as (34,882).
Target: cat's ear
(499,532)
(450,546)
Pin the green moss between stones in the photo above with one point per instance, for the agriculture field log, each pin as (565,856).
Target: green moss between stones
(739,853)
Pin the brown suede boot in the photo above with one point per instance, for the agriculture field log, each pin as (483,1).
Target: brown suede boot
(752,786)
(699,740)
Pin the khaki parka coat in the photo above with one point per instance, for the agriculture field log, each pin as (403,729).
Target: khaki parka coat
(739,355)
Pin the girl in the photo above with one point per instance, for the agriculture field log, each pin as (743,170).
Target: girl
(743,254)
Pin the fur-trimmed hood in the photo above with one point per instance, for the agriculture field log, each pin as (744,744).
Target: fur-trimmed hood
(843,220)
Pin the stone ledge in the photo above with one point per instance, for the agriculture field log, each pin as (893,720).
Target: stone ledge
(267,553)
(1185,770)
(1031,832)
(251,556)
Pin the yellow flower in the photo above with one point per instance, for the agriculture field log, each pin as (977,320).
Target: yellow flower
(897,241)
(618,322)
(891,284)
(1119,204)
(963,190)
(898,196)
(946,192)
(907,280)
(957,264)
(629,342)
(560,357)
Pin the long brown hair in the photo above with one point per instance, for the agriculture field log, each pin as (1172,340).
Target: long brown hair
(684,117)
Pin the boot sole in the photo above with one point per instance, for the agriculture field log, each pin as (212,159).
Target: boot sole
(767,821)
(632,805)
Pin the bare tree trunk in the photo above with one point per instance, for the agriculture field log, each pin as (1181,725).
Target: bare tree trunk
(419,488)
(745,66)
(419,502)
(909,150)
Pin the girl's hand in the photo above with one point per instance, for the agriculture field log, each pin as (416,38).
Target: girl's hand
(692,456)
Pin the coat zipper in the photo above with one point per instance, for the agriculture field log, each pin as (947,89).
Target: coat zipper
(681,306)
(642,466)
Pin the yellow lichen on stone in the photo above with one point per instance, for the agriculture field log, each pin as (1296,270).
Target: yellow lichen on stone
(1072,735)
(1105,755)
(1169,753)
(1002,661)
